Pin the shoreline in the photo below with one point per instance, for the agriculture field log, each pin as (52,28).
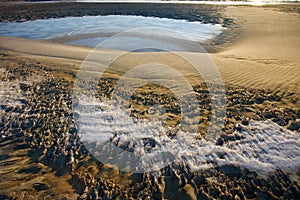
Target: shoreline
(213,14)
(238,49)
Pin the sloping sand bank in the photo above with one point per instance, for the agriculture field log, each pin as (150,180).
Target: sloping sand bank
(266,53)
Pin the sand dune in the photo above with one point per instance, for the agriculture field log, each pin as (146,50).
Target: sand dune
(266,53)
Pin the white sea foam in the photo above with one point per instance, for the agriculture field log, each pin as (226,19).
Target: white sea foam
(10,92)
(265,146)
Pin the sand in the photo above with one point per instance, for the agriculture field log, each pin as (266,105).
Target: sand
(264,55)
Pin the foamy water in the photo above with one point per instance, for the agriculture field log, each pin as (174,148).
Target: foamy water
(10,91)
(264,147)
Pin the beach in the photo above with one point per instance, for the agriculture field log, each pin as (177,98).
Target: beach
(254,157)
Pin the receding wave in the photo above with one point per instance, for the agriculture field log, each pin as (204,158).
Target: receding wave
(263,146)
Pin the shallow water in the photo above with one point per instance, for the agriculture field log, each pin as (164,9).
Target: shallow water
(92,30)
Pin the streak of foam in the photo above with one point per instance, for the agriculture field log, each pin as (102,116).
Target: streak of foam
(10,91)
(265,146)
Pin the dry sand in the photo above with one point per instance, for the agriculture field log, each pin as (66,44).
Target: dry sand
(266,53)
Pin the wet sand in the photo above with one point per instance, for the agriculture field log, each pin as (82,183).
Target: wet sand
(260,69)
